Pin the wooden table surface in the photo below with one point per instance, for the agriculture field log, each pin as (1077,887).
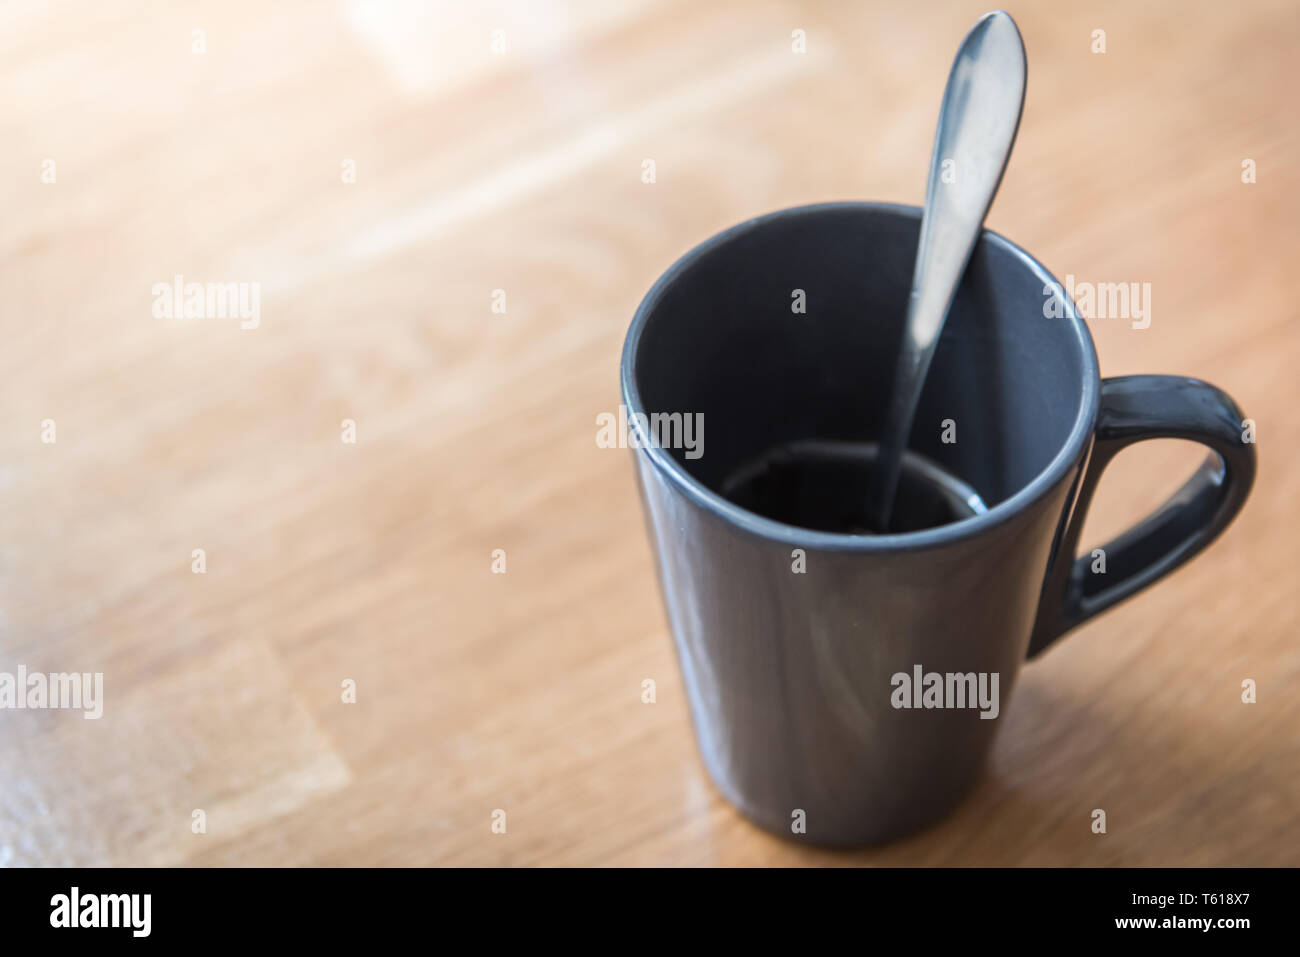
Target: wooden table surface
(223,156)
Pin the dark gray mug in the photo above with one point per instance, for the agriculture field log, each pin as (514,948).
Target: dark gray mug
(820,665)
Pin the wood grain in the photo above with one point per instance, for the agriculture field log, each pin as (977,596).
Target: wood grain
(521,171)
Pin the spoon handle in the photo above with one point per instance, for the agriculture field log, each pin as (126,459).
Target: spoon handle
(977,126)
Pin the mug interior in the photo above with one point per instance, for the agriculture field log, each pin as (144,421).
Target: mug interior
(718,335)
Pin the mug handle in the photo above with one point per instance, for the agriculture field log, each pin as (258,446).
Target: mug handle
(1133,409)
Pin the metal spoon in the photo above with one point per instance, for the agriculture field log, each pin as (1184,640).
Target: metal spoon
(977,127)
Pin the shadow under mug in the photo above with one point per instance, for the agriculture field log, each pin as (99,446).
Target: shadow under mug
(794,643)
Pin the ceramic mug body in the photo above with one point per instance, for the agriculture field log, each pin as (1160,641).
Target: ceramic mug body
(846,689)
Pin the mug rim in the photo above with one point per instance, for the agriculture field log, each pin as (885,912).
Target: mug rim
(770,529)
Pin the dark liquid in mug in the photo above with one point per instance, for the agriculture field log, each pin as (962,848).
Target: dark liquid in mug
(824,486)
